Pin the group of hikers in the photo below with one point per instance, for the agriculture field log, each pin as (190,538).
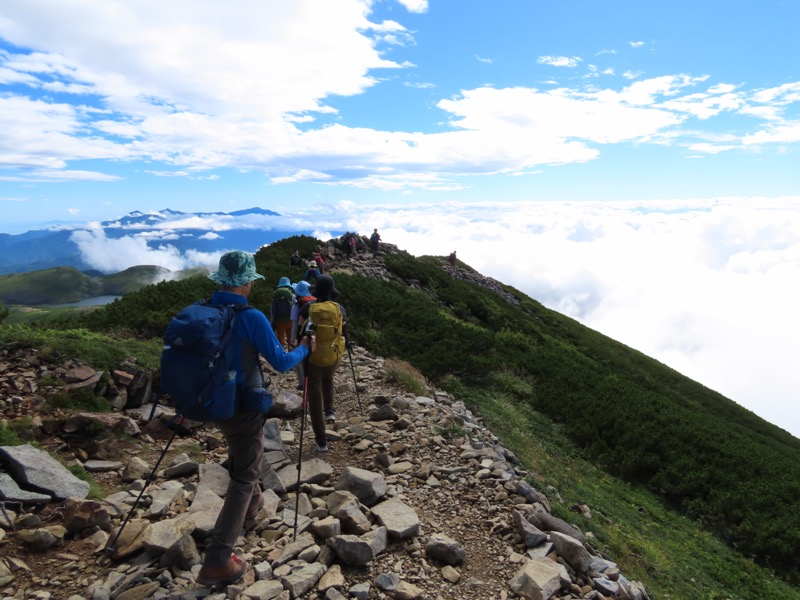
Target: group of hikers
(351,242)
(306,331)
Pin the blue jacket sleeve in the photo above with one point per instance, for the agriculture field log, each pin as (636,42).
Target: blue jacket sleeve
(257,330)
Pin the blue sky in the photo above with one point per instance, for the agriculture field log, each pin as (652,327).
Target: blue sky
(633,164)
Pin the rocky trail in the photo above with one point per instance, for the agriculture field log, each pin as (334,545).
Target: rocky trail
(415,499)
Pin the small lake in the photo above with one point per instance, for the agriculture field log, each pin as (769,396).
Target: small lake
(94,301)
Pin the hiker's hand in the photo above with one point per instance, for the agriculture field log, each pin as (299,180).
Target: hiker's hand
(311,343)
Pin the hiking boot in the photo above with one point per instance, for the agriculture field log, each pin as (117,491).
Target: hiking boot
(251,516)
(330,416)
(227,573)
(322,446)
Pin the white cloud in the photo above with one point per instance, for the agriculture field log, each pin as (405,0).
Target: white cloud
(203,87)
(487,61)
(707,287)
(111,255)
(415,6)
(635,44)
(559,61)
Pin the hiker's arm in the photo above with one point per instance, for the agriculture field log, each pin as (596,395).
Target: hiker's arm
(259,333)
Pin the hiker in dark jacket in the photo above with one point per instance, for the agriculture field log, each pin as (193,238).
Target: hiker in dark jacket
(374,242)
(312,273)
(321,391)
(244,433)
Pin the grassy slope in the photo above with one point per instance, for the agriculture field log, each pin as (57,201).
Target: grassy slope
(49,286)
(64,284)
(602,423)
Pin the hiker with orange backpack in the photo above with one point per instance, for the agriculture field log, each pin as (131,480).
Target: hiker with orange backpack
(280,315)
(326,319)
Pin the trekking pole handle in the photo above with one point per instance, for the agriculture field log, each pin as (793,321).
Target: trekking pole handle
(312,340)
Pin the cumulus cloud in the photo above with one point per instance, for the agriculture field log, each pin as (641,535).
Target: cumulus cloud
(205,88)
(111,255)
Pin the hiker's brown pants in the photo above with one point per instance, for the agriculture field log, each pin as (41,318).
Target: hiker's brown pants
(321,395)
(244,434)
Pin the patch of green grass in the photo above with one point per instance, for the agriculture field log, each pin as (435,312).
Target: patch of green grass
(451,429)
(79,400)
(8,434)
(405,375)
(102,351)
(20,430)
(192,449)
(95,490)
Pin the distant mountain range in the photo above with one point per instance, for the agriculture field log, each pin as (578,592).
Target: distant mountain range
(200,232)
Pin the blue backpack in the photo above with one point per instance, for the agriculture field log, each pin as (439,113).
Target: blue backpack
(194,362)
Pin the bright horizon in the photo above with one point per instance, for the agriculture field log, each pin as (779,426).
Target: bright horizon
(635,167)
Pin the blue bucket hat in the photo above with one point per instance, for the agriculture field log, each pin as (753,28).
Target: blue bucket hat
(236,268)
(301,289)
(284,282)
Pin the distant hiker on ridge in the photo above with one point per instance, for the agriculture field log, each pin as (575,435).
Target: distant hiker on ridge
(294,259)
(452,258)
(320,260)
(374,241)
(312,273)
(280,314)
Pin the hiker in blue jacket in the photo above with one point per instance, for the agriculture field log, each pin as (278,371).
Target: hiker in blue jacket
(312,273)
(252,335)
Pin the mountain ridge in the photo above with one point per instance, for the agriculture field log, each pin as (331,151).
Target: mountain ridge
(626,411)
(56,246)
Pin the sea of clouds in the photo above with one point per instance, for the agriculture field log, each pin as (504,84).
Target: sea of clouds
(708,287)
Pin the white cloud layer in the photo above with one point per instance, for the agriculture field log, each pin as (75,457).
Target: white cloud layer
(706,287)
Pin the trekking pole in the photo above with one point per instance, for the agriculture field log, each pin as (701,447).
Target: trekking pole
(175,425)
(355,381)
(302,431)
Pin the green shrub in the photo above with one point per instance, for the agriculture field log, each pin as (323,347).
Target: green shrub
(77,400)
(9,435)
(102,351)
